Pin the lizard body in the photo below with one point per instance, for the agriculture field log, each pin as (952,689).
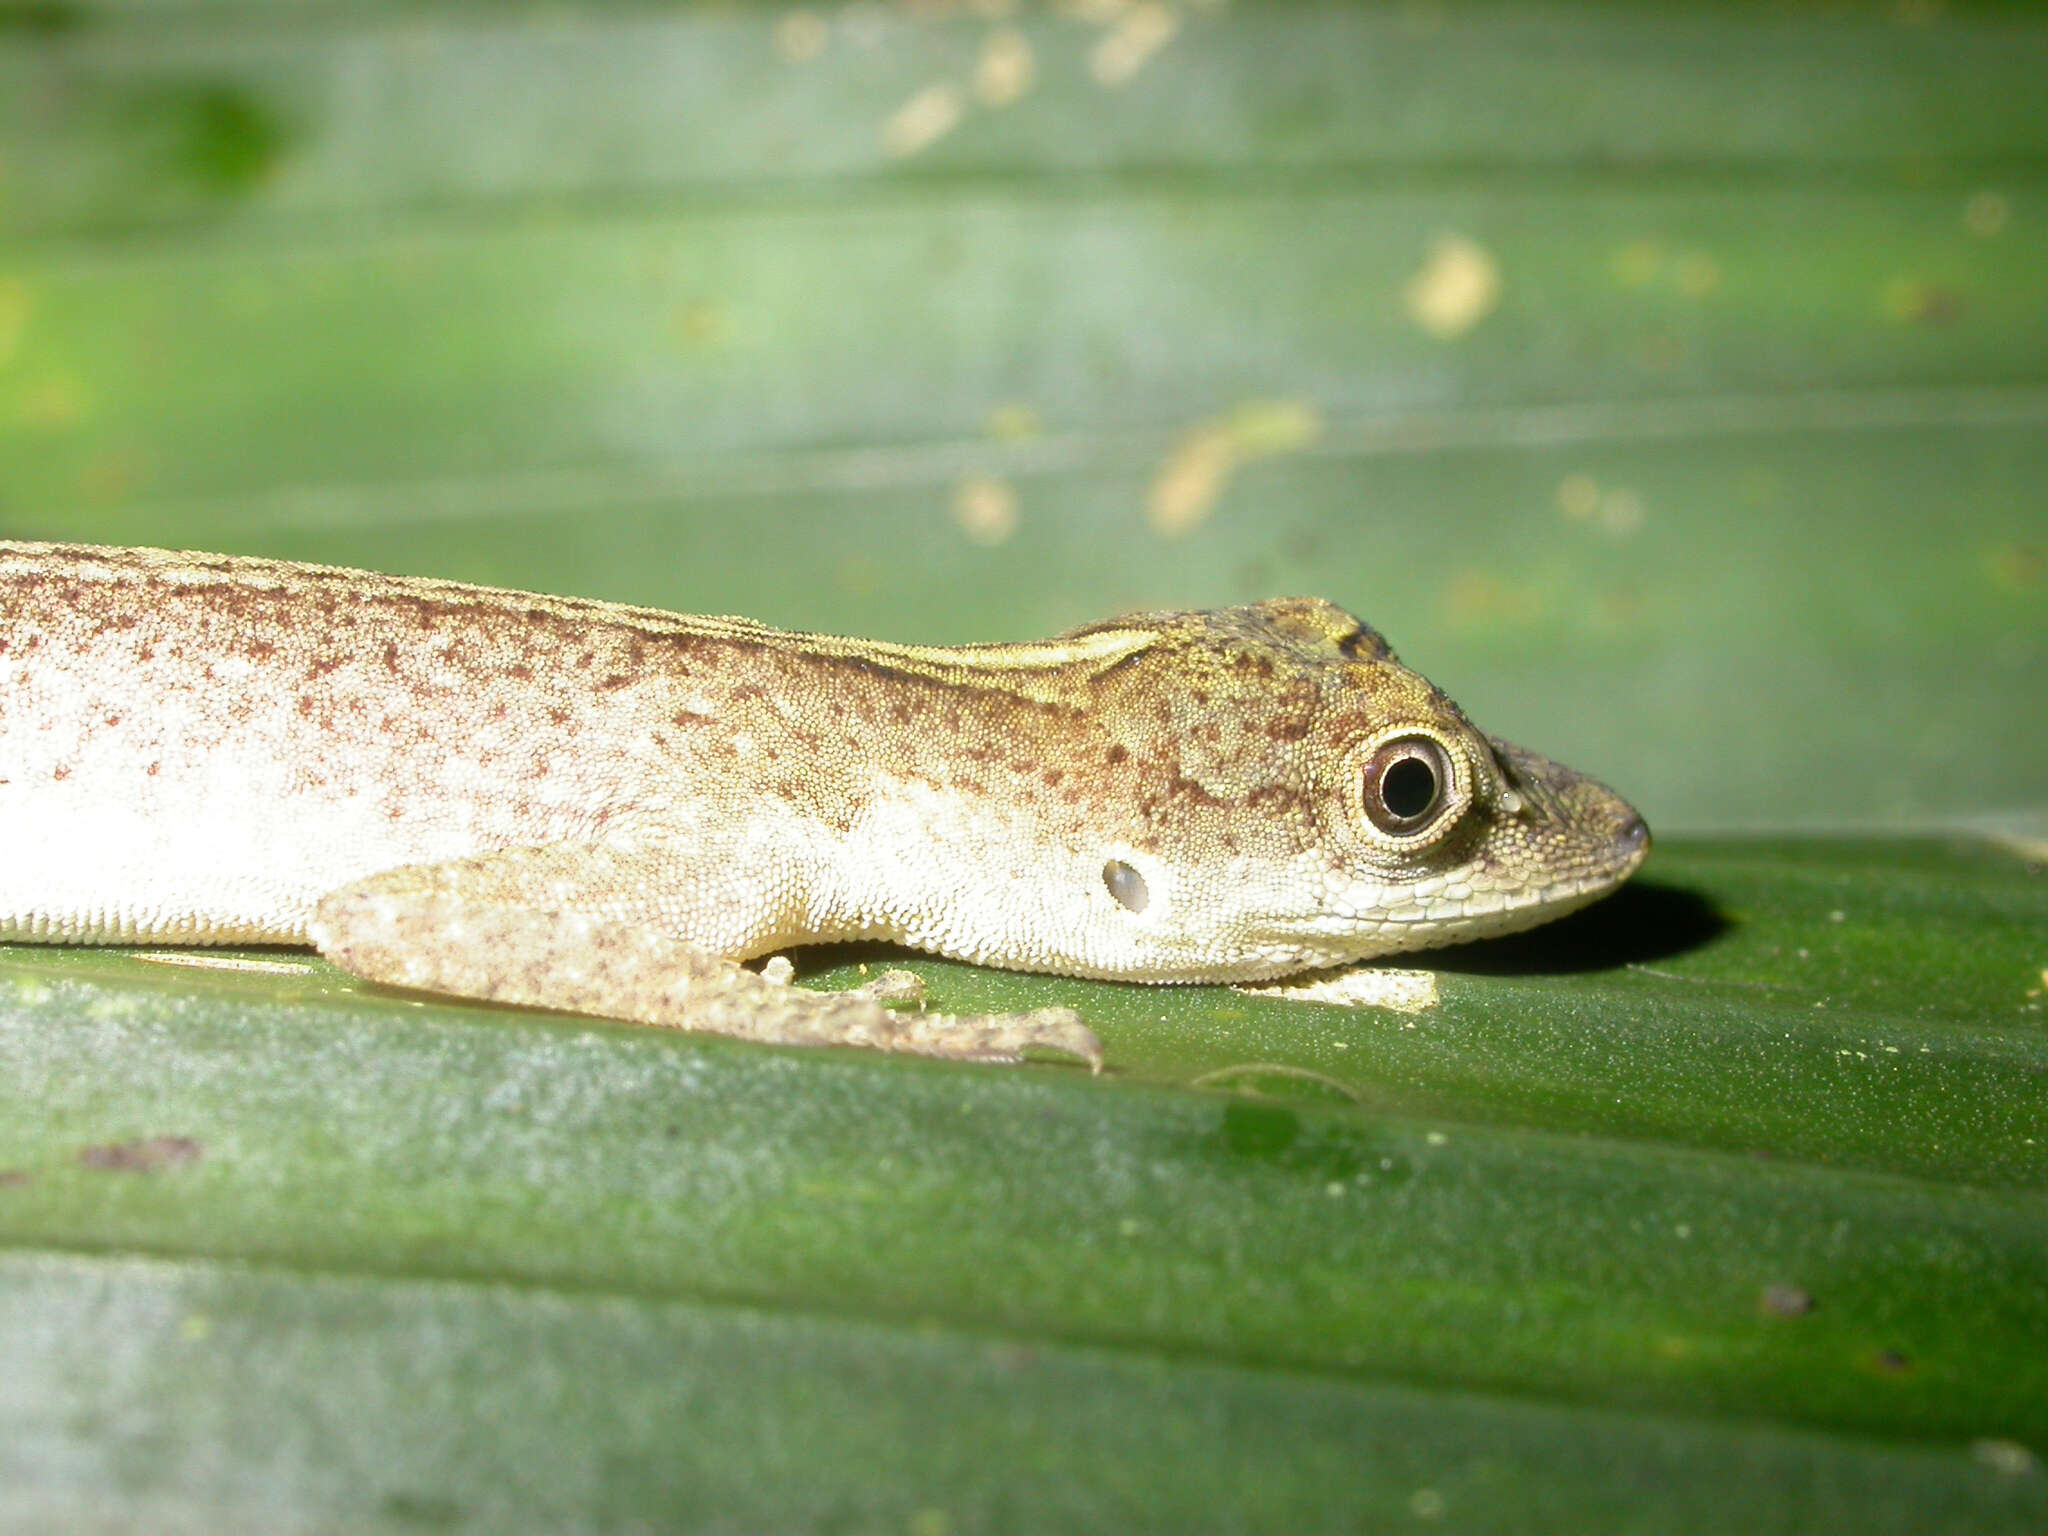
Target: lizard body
(598,807)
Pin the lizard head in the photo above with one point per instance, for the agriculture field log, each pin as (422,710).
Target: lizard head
(1316,802)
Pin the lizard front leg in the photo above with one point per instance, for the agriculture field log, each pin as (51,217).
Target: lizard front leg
(558,927)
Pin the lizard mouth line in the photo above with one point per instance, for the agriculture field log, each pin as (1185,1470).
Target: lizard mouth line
(1548,899)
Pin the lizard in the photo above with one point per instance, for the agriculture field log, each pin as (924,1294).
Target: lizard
(601,809)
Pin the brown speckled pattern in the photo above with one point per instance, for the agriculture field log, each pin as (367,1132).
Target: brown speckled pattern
(201,748)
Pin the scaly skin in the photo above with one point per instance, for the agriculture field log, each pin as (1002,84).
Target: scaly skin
(207,749)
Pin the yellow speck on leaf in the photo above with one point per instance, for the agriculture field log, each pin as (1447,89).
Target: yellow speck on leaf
(1910,301)
(1618,510)
(1195,474)
(1426,1504)
(1458,287)
(1012,422)
(1578,497)
(194,1327)
(698,323)
(923,120)
(985,509)
(1472,598)
(1145,29)
(859,575)
(1185,490)
(931,1522)
(1986,214)
(1636,263)
(1006,69)
(1917,13)
(800,36)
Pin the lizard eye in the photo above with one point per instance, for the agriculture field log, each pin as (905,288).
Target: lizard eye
(1405,786)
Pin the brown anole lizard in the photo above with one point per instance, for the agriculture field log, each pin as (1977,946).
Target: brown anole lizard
(601,809)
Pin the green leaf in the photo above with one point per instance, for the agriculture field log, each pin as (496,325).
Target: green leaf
(1633,1190)
(1666,382)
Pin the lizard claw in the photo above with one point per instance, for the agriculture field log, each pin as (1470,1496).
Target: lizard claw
(1051,1029)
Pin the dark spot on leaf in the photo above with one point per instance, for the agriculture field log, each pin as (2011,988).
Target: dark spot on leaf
(145,1156)
(1889,1362)
(1259,1130)
(14,1178)
(231,140)
(1275,1134)
(427,1510)
(41,18)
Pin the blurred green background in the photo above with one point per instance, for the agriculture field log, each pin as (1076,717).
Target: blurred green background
(1668,382)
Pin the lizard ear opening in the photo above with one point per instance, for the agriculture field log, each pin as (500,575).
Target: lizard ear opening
(1126,885)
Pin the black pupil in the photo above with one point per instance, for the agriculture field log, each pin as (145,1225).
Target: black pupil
(1408,788)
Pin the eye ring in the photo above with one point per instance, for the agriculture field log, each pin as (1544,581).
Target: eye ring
(1406,785)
